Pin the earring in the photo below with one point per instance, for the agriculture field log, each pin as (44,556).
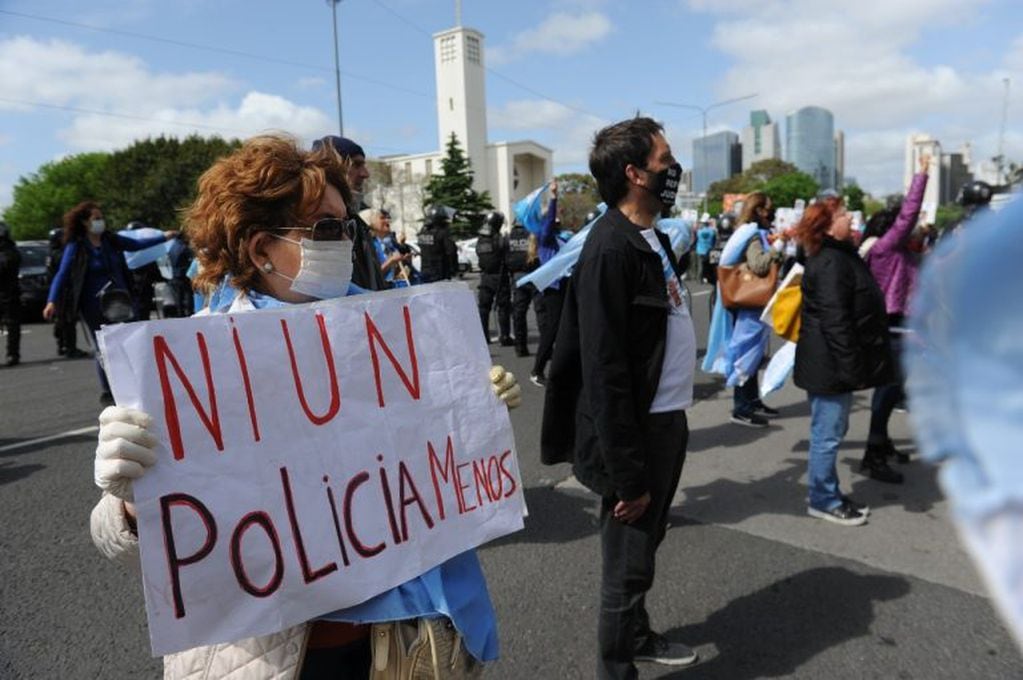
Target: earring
(268,267)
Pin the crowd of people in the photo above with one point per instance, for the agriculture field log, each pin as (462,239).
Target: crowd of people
(617,355)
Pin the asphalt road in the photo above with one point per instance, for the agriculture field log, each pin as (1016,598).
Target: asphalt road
(759,589)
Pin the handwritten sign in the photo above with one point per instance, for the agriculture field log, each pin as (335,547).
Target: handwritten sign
(310,457)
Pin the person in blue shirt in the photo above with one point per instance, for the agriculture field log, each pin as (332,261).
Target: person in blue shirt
(393,257)
(293,204)
(706,237)
(92,264)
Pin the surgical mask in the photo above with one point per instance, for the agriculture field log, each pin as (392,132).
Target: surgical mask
(326,269)
(665,185)
(97,226)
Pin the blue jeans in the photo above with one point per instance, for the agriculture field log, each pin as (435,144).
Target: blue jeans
(829,420)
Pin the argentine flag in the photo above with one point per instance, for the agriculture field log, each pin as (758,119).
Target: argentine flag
(527,210)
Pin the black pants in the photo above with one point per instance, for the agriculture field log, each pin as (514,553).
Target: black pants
(10,316)
(746,397)
(629,550)
(520,307)
(350,662)
(887,397)
(495,288)
(551,302)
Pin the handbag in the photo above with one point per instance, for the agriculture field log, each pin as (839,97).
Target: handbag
(421,649)
(742,289)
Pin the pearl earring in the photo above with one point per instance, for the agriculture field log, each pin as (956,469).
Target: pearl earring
(268,267)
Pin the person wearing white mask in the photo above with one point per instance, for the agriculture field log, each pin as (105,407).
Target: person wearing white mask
(92,270)
(270,226)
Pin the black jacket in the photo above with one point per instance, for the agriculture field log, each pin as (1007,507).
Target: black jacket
(843,339)
(10,264)
(607,359)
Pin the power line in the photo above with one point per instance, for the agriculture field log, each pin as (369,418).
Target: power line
(213,48)
(500,75)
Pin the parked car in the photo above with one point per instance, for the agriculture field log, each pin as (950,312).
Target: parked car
(33,278)
(467,260)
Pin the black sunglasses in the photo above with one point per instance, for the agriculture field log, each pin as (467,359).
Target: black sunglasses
(328,229)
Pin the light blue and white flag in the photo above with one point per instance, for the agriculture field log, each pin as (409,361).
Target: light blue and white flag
(140,258)
(527,210)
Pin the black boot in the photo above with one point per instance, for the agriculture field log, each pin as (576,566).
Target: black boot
(521,351)
(893,452)
(875,464)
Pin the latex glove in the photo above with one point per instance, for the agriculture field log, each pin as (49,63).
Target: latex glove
(126,448)
(505,386)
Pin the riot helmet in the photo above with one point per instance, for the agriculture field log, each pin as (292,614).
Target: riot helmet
(436,215)
(974,193)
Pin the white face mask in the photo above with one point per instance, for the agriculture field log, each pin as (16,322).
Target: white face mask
(326,269)
(98,226)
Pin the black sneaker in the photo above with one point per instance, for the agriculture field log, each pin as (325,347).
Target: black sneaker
(875,465)
(506,341)
(659,649)
(751,420)
(859,507)
(522,351)
(892,452)
(762,409)
(845,514)
(538,380)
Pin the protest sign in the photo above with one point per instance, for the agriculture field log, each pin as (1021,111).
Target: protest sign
(311,456)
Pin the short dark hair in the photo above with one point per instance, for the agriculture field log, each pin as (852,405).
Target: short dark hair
(619,145)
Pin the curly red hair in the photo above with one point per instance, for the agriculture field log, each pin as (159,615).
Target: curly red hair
(266,183)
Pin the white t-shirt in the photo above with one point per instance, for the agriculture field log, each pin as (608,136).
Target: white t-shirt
(675,386)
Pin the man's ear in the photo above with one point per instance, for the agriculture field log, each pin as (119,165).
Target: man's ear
(632,173)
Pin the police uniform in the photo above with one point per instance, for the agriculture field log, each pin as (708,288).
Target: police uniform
(491,250)
(435,246)
(518,266)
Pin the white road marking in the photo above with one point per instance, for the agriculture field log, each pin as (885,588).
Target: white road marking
(50,438)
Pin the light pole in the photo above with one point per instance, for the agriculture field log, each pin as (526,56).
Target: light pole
(703,112)
(337,68)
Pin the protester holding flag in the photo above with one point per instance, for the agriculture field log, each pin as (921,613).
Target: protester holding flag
(92,265)
(271,229)
(549,299)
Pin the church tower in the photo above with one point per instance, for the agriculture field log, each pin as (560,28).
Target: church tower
(461,96)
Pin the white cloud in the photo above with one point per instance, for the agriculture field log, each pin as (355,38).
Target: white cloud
(561,33)
(858,63)
(115,98)
(568,132)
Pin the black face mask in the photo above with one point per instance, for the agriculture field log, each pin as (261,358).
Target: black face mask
(665,185)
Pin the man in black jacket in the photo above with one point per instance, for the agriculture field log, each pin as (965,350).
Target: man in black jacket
(621,379)
(10,294)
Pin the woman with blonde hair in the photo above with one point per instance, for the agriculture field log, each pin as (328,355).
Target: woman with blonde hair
(271,228)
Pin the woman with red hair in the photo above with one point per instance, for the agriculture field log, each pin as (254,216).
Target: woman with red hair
(843,347)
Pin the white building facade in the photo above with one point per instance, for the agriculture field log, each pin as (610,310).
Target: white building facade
(508,170)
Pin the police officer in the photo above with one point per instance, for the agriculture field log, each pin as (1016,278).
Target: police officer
(64,331)
(143,279)
(520,260)
(436,246)
(491,249)
(974,197)
(10,294)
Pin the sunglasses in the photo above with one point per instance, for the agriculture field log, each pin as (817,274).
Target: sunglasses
(328,229)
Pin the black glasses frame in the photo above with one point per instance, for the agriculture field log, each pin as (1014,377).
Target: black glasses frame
(328,229)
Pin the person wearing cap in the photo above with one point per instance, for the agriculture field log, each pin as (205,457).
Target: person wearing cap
(366,274)
(10,294)
(706,237)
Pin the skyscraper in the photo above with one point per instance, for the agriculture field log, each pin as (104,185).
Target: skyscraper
(839,160)
(810,143)
(760,140)
(715,157)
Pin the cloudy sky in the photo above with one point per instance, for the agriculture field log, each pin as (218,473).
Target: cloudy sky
(95,76)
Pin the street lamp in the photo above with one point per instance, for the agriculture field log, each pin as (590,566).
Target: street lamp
(703,111)
(337,68)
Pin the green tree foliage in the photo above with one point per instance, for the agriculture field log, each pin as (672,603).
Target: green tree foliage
(453,188)
(854,197)
(577,196)
(754,178)
(151,180)
(785,189)
(947,215)
(154,179)
(41,199)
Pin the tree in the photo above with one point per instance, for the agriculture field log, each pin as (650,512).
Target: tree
(947,216)
(854,197)
(766,170)
(41,199)
(577,196)
(752,179)
(785,189)
(453,188)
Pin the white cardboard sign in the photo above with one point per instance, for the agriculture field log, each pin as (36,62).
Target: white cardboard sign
(310,457)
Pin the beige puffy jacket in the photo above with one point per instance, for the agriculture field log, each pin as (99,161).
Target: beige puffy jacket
(268,657)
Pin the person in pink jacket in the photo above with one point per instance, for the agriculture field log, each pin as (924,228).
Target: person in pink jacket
(886,249)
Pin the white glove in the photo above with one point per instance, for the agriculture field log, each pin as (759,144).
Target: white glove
(505,386)
(125,450)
